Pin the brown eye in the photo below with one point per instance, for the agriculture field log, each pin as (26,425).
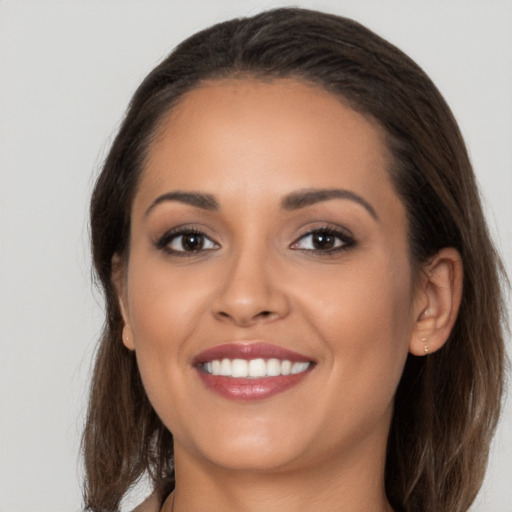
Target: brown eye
(324,241)
(186,242)
(191,242)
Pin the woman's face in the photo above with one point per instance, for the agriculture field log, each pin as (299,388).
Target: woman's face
(268,292)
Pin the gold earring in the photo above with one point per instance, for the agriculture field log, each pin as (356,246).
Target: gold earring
(424,340)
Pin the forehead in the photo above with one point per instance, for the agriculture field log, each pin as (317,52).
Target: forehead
(248,135)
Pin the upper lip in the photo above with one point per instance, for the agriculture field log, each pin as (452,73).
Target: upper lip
(248,350)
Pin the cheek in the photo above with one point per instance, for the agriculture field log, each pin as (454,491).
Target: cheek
(366,325)
(165,305)
(360,298)
(364,318)
(165,308)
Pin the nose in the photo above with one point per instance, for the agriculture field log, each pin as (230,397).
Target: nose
(250,292)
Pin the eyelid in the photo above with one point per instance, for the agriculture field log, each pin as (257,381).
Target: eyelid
(162,242)
(342,234)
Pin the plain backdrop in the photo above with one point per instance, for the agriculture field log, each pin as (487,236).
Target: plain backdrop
(67,71)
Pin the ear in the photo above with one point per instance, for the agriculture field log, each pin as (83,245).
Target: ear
(118,278)
(437,301)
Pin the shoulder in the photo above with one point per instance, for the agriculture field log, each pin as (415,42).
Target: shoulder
(150,504)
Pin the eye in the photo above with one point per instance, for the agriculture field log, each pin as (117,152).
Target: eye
(186,241)
(324,240)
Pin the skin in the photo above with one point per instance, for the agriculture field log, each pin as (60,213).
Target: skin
(356,312)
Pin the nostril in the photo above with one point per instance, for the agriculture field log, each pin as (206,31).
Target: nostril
(243,319)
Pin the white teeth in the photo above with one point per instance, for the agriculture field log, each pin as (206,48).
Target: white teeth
(257,368)
(286,367)
(215,369)
(273,367)
(239,368)
(225,368)
(254,368)
(299,368)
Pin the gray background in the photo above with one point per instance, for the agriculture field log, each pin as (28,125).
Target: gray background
(67,70)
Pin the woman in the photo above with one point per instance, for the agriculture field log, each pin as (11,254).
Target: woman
(303,302)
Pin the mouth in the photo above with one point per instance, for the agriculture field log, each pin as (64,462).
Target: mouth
(251,371)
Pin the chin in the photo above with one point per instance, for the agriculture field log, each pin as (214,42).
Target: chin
(247,458)
(268,449)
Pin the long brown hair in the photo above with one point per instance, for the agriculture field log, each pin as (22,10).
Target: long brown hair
(447,404)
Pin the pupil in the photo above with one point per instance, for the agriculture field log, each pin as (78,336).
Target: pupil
(192,242)
(323,241)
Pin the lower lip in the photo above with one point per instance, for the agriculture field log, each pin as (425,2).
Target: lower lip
(251,389)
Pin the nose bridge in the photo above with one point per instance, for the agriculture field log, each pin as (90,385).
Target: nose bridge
(250,291)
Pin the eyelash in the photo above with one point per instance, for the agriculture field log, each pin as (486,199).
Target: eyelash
(168,238)
(346,239)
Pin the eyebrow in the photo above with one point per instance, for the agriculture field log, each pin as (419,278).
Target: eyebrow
(293,201)
(308,197)
(197,199)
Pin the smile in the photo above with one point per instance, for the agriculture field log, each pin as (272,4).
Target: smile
(253,368)
(251,371)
